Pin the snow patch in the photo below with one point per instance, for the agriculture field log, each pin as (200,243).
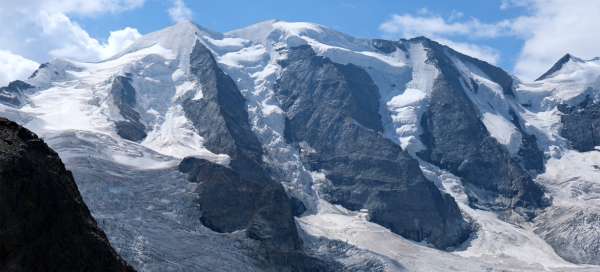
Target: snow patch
(503,131)
(176,137)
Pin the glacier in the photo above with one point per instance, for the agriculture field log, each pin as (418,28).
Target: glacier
(147,208)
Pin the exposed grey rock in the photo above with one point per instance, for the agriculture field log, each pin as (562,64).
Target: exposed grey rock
(496,74)
(124,97)
(458,141)
(529,155)
(44,223)
(334,109)
(221,116)
(556,67)
(242,197)
(385,46)
(12,94)
(581,124)
(230,202)
(42,66)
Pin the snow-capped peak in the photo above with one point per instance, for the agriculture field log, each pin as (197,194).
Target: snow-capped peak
(176,37)
(293,33)
(179,39)
(568,64)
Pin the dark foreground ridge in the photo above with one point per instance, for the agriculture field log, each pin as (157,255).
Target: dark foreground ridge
(44,223)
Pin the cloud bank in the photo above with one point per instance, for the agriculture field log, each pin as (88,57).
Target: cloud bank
(41,30)
(14,66)
(446,31)
(547,30)
(180,12)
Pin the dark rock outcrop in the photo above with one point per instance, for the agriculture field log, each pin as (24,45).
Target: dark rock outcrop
(457,140)
(385,46)
(44,224)
(241,196)
(556,67)
(333,109)
(529,155)
(581,124)
(221,116)
(12,94)
(124,97)
(230,202)
(494,73)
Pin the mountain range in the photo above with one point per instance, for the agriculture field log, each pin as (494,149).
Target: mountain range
(288,146)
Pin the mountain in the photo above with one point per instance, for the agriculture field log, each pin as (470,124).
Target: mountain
(289,146)
(562,108)
(44,224)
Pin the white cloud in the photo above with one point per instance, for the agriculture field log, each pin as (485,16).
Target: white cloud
(42,30)
(455,15)
(554,28)
(548,30)
(179,11)
(14,67)
(119,40)
(432,25)
(79,7)
(485,53)
(444,31)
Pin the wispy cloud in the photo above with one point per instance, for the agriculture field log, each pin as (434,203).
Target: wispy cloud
(408,25)
(547,30)
(553,28)
(41,30)
(179,11)
(14,67)
(446,31)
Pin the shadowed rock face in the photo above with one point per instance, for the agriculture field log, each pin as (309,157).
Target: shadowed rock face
(529,155)
(125,99)
(230,202)
(221,116)
(556,67)
(332,113)
(242,196)
(233,198)
(581,124)
(44,224)
(12,94)
(457,140)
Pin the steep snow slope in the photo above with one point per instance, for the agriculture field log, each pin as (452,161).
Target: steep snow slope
(146,206)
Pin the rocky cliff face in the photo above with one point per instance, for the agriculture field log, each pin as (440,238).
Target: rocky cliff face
(332,114)
(221,116)
(293,147)
(241,196)
(124,97)
(458,140)
(581,124)
(44,224)
(13,93)
(231,202)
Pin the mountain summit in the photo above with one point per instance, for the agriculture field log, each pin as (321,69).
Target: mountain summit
(288,146)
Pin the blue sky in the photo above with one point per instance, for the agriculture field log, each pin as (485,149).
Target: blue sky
(360,18)
(525,37)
